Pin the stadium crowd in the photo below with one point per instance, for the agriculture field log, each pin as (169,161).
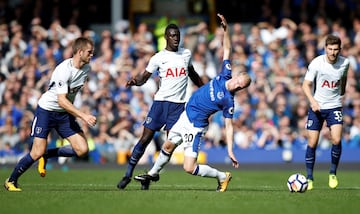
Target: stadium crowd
(271,114)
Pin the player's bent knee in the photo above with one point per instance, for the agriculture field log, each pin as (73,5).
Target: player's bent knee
(38,148)
(79,144)
(312,144)
(82,152)
(168,147)
(175,140)
(81,149)
(336,141)
(36,155)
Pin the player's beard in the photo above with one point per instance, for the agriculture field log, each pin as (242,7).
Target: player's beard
(331,58)
(85,60)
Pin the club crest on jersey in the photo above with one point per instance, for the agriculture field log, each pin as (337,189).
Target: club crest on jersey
(61,84)
(220,95)
(231,110)
(228,66)
(38,130)
(148,120)
(309,123)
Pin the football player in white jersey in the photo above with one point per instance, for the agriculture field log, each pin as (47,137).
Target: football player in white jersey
(327,75)
(56,111)
(217,95)
(174,66)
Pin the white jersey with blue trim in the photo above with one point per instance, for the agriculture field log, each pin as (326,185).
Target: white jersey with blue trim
(210,98)
(173,72)
(65,79)
(327,78)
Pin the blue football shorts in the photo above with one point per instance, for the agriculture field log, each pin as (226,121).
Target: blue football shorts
(331,116)
(63,122)
(163,113)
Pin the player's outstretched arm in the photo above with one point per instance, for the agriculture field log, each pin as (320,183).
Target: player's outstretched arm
(229,134)
(226,39)
(139,79)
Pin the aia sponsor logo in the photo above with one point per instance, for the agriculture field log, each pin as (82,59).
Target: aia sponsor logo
(177,72)
(330,84)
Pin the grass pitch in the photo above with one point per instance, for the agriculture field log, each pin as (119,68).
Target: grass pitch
(93,190)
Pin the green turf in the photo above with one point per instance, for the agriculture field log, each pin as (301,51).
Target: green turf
(250,191)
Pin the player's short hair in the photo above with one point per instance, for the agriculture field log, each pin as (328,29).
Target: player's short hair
(171,26)
(332,40)
(81,43)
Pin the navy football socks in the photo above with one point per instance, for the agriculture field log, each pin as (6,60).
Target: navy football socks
(310,161)
(137,153)
(65,151)
(21,167)
(335,158)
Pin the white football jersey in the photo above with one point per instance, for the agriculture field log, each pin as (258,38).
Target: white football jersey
(173,73)
(327,80)
(65,79)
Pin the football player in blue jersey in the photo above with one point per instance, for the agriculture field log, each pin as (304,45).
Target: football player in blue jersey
(216,95)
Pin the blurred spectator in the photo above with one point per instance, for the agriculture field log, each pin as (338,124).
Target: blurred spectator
(2,86)
(203,61)
(196,35)
(104,143)
(9,135)
(7,154)
(267,134)
(9,110)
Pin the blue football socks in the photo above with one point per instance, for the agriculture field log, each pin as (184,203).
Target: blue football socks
(335,158)
(310,161)
(21,167)
(137,153)
(65,151)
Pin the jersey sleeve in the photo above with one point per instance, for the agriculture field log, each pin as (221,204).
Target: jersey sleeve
(347,63)
(311,72)
(153,64)
(228,110)
(226,69)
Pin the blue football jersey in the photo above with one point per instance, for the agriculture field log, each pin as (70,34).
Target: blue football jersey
(210,98)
